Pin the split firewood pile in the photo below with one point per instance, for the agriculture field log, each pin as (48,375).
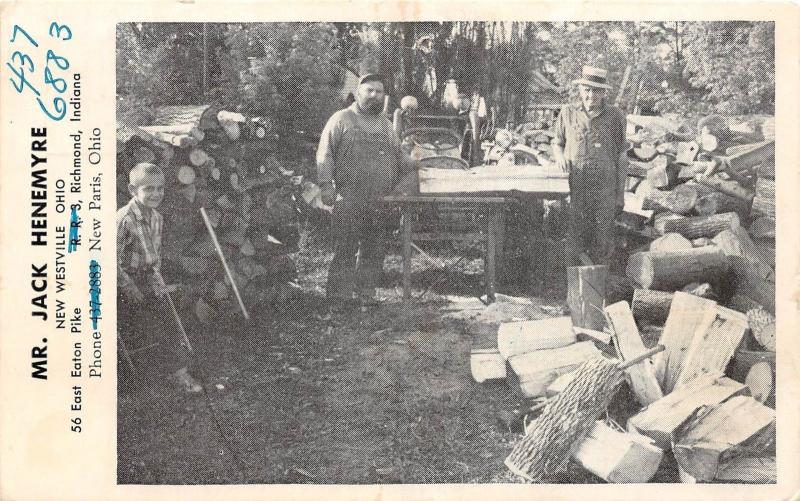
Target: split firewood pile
(222,162)
(703,294)
(528,144)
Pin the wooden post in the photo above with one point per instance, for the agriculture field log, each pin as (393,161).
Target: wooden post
(642,377)
(586,295)
(491,252)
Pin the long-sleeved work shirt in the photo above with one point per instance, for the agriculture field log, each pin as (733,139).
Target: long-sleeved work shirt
(361,154)
(138,247)
(593,146)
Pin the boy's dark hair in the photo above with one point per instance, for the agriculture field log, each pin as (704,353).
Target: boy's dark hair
(141,170)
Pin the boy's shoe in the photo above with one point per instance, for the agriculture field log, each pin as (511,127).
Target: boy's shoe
(186,381)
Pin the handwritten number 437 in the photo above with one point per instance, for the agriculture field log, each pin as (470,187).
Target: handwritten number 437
(22,65)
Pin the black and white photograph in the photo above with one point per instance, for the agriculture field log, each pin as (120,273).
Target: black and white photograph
(457,252)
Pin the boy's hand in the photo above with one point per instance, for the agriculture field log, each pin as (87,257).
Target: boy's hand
(328,194)
(133,294)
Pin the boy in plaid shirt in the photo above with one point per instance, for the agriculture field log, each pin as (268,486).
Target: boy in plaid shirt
(141,287)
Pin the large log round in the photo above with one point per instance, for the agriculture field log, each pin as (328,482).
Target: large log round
(673,270)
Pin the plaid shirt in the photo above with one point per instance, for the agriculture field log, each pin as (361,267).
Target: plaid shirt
(138,246)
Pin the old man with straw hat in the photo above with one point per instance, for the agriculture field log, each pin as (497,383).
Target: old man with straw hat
(590,144)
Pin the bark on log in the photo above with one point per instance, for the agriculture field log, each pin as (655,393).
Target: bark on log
(586,295)
(544,452)
(753,157)
(670,242)
(618,457)
(764,200)
(660,419)
(651,306)
(715,434)
(661,218)
(731,188)
(719,203)
(762,325)
(672,270)
(679,200)
(755,278)
(642,378)
(701,226)
(517,338)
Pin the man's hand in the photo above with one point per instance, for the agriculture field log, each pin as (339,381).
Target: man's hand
(561,160)
(327,193)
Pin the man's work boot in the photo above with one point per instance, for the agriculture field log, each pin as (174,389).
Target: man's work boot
(186,381)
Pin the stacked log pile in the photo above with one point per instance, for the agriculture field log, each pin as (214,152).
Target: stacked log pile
(221,161)
(707,199)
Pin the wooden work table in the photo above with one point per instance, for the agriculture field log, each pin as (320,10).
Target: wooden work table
(492,234)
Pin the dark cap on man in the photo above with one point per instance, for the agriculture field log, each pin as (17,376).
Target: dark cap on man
(369,77)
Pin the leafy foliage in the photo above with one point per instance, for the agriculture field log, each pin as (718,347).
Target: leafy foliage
(293,72)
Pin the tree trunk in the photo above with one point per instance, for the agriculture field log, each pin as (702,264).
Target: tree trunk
(673,270)
(701,226)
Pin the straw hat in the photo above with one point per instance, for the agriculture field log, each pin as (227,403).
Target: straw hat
(593,77)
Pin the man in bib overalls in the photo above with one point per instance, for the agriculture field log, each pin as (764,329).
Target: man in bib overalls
(590,144)
(359,158)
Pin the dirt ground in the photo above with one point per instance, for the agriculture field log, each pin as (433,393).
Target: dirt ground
(384,396)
